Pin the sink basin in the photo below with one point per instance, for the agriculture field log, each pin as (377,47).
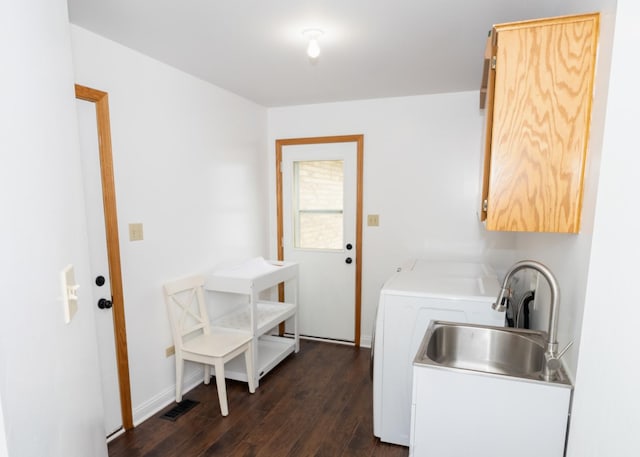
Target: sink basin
(495,350)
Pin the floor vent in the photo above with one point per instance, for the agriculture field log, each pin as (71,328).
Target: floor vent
(178,410)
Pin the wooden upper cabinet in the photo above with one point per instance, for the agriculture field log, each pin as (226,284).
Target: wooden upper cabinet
(538,101)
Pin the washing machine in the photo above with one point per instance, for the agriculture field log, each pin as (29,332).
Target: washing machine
(421,291)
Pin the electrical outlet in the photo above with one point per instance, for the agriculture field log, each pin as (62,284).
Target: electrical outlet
(171,350)
(373,220)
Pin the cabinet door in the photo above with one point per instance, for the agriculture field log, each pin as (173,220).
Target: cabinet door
(538,120)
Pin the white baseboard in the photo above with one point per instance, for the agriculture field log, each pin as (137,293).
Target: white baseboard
(365,340)
(166,397)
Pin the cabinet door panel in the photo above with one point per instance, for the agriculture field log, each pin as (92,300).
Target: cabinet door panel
(541,113)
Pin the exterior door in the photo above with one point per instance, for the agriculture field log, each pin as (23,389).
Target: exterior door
(95,141)
(321,225)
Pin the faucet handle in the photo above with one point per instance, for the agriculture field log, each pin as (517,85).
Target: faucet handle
(565,349)
(553,362)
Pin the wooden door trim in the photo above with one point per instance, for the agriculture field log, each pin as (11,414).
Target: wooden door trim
(101,101)
(359,140)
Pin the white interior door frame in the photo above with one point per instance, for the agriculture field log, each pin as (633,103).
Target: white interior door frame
(359,140)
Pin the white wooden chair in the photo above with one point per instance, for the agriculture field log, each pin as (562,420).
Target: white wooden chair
(195,340)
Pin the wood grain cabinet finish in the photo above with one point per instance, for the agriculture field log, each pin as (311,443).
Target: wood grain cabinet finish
(538,101)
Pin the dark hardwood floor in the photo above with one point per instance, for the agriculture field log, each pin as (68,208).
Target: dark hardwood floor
(315,403)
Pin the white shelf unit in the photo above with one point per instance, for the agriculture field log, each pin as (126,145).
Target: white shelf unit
(258,317)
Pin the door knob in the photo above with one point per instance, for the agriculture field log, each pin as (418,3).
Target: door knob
(99,281)
(348,260)
(103,303)
(349,246)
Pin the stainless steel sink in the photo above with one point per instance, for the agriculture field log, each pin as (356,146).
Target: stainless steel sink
(495,350)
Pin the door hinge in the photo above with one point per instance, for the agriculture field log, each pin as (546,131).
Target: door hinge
(485,205)
(493,62)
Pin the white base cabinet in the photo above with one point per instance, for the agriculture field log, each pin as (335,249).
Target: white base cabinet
(458,413)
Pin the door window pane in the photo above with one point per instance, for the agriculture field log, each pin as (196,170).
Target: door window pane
(318,204)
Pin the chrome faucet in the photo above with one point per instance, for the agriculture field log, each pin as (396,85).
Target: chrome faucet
(551,356)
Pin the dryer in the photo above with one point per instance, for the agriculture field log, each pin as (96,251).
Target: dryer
(420,292)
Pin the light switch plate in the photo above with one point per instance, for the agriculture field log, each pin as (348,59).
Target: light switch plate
(373,220)
(69,293)
(135,232)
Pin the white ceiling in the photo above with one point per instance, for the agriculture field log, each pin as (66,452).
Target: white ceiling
(370,48)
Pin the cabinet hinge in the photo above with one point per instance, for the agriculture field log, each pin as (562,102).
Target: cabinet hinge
(485,205)
(493,62)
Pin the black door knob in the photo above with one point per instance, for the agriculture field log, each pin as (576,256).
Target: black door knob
(349,246)
(348,260)
(103,303)
(99,280)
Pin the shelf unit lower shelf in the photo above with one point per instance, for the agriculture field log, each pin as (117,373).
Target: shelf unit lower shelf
(271,351)
(268,315)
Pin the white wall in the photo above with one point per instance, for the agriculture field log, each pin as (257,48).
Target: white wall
(49,382)
(606,412)
(422,169)
(3,438)
(189,164)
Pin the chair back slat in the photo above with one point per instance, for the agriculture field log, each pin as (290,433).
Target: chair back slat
(187,308)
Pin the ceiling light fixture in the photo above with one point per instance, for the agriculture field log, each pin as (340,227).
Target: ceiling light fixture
(313,49)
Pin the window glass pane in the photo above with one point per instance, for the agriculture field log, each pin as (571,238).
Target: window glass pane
(318,190)
(320,230)
(320,185)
